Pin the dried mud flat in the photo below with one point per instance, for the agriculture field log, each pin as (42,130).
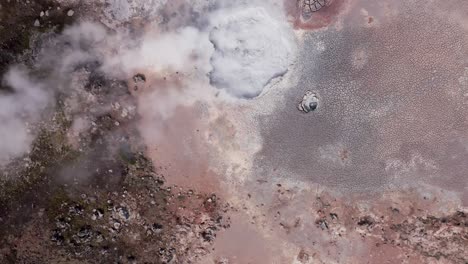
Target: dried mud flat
(376,174)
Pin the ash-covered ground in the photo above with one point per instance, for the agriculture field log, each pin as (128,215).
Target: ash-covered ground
(216,131)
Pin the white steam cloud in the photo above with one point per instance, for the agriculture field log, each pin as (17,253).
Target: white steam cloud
(178,51)
(252,48)
(18,109)
(241,48)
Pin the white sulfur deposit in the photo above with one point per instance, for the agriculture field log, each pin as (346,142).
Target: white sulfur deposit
(251,48)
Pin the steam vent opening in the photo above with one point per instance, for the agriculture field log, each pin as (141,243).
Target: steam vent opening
(309,102)
(313,5)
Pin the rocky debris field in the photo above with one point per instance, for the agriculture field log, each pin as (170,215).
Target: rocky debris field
(139,220)
(86,193)
(22,21)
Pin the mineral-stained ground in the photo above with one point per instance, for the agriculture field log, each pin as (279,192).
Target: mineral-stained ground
(130,154)
(92,197)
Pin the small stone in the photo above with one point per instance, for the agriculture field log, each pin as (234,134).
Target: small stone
(309,102)
(37,23)
(211,199)
(333,216)
(124,213)
(57,237)
(208,235)
(85,232)
(156,228)
(42,14)
(99,238)
(77,209)
(97,214)
(70,13)
(124,113)
(139,78)
(322,223)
